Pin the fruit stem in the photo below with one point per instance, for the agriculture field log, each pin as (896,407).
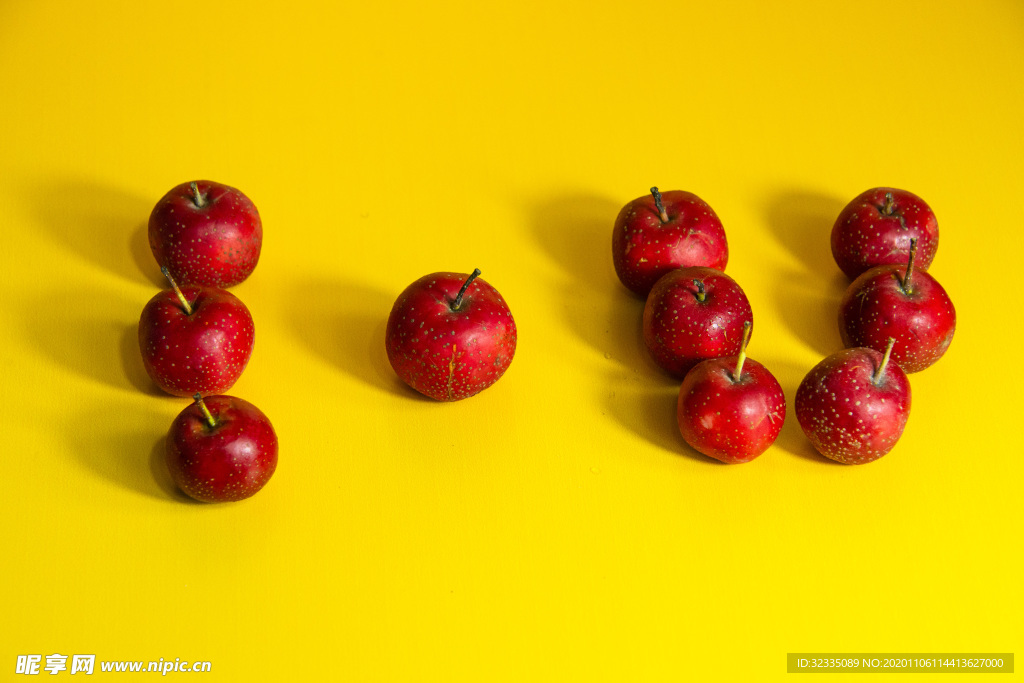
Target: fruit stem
(743,352)
(198,198)
(181,297)
(662,213)
(701,295)
(458,299)
(876,379)
(206,411)
(908,287)
(890,205)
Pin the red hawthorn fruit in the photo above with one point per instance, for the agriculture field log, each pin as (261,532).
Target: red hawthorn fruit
(450,335)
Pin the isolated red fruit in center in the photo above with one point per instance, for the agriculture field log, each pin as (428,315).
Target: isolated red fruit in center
(450,335)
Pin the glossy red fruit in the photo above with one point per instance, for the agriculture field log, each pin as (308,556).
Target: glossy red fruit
(664,231)
(854,405)
(902,303)
(221,449)
(731,409)
(693,314)
(206,233)
(875,229)
(195,339)
(450,335)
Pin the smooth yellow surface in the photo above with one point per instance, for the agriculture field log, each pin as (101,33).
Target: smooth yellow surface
(554,527)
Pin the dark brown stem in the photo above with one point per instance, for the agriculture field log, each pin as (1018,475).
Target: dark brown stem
(876,379)
(458,299)
(662,213)
(701,295)
(890,205)
(743,352)
(197,197)
(210,420)
(908,286)
(177,290)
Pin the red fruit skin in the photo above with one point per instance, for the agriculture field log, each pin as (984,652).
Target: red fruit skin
(847,417)
(216,245)
(204,352)
(863,237)
(732,421)
(644,248)
(449,354)
(230,461)
(876,307)
(681,331)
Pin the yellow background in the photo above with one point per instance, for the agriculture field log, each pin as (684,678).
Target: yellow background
(553,527)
